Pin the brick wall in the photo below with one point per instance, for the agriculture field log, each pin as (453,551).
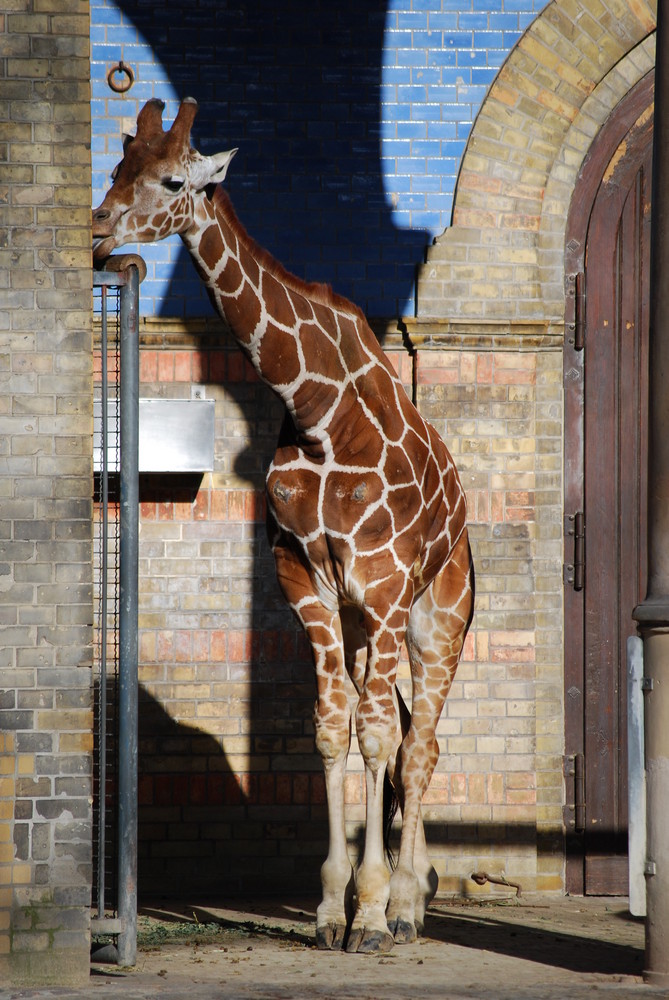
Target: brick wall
(228,771)
(499,780)
(503,258)
(45,491)
(351,123)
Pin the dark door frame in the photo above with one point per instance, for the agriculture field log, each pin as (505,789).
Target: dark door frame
(595,165)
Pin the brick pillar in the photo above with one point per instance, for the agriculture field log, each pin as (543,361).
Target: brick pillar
(45,493)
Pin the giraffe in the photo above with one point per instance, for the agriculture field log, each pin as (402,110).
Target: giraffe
(366,519)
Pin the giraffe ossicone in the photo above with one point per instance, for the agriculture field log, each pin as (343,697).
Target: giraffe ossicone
(366,518)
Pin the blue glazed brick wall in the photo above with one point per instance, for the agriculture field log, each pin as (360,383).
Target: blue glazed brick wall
(351,119)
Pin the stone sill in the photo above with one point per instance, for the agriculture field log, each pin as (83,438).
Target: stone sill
(436,334)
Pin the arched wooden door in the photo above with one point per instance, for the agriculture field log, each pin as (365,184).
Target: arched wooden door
(606,395)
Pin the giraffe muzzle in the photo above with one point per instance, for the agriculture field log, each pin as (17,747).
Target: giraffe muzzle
(103,241)
(103,246)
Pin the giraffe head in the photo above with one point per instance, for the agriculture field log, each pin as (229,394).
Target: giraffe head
(157,183)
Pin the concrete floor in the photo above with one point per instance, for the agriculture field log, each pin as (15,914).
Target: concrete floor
(532,948)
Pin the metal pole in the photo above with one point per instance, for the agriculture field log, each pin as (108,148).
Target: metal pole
(128,640)
(636,777)
(653,614)
(104,567)
(658,486)
(656,682)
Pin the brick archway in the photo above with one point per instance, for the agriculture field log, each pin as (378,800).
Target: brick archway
(502,260)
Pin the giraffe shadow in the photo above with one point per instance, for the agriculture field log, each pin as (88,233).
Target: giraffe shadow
(209,827)
(204,831)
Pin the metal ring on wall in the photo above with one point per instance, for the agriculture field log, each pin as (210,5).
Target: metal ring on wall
(123,85)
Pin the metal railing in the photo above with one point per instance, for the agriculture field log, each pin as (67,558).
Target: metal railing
(116,298)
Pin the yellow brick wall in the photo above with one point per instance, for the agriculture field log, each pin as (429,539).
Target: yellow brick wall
(495,801)
(46,714)
(7,872)
(503,258)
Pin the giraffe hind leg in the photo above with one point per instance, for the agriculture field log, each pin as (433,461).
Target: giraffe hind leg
(427,879)
(437,629)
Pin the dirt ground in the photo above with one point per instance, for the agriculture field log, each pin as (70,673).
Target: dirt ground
(531,948)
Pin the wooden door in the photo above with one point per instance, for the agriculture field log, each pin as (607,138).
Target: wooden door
(606,445)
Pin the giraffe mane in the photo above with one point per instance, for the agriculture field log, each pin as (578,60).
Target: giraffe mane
(316,291)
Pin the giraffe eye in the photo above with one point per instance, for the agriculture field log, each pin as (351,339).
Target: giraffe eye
(173,183)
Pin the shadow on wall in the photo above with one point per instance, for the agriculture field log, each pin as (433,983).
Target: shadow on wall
(296,85)
(206,834)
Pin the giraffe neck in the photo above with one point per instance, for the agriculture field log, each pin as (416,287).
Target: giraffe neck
(308,344)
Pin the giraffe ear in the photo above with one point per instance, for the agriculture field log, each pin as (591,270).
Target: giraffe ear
(211,169)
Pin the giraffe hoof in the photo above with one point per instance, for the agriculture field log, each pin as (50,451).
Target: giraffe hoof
(404,931)
(330,937)
(370,942)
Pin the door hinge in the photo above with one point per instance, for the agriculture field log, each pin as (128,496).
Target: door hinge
(574,810)
(574,527)
(575,309)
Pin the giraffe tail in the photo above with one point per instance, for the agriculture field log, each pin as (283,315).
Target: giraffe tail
(390,805)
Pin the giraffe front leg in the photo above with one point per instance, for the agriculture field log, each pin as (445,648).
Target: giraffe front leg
(334,912)
(378,737)
(332,725)
(369,932)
